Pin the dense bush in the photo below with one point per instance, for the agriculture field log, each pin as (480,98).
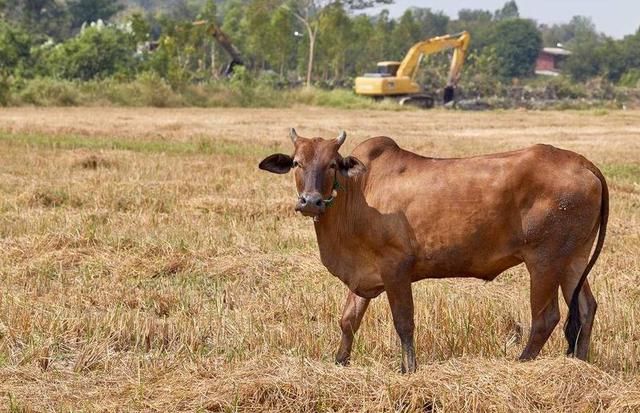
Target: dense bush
(631,78)
(5,89)
(97,52)
(604,57)
(49,92)
(563,88)
(149,89)
(15,49)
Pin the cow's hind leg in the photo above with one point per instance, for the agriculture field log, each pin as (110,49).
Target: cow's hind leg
(586,303)
(354,309)
(545,313)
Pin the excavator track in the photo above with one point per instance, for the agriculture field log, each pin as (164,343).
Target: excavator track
(420,101)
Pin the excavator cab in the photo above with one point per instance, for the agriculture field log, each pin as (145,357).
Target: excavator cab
(388,68)
(385,69)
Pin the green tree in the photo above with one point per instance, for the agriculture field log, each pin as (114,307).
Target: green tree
(87,11)
(631,52)
(474,15)
(579,29)
(15,48)
(363,52)
(257,28)
(140,27)
(282,39)
(584,62)
(184,49)
(381,44)
(582,29)
(39,17)
(430,24)
(209,13)
(233,13)
(404,35)
(615,60)
(517,44)
(508,11)
(335,39)
(94,53)
(308,13)
(184,10)
(479,23)
(209,10)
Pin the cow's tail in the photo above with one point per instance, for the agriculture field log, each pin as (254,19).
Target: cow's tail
(573,325)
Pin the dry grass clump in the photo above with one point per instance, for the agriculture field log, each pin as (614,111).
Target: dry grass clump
(464,384)
(94,162)
(147,265)
(49,197)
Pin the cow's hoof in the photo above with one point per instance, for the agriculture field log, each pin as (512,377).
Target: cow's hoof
(342,361)
(405,370)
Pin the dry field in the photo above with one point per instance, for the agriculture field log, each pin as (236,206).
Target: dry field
(146,264)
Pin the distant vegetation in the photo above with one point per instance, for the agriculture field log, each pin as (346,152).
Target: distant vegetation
(146,52)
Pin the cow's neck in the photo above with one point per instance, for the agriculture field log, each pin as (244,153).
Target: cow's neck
(335,211)
(335,225)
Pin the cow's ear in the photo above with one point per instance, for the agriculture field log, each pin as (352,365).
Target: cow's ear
(351,166)
(277,163)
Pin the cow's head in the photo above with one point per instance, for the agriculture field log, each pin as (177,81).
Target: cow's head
(316,163)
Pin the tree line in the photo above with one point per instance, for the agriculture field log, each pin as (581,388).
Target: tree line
(324,42)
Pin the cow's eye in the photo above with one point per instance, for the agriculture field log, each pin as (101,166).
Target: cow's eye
(333,165)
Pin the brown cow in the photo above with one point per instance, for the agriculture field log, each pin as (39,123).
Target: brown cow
(386,217)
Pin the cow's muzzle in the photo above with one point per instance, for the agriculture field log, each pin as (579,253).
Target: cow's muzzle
(310,204)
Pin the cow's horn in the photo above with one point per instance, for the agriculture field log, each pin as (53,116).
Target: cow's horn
(341,138)
(293,135)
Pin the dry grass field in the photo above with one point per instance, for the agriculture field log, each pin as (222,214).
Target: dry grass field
(146,264)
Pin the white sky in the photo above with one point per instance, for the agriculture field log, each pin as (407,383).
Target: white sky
(616,18)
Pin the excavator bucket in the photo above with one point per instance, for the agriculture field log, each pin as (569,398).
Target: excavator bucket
(449,92)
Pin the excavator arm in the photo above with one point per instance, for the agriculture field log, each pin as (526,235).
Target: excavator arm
(224,41)
(459,42)
(459,54)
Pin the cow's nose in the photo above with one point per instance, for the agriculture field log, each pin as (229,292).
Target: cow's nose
(310,204)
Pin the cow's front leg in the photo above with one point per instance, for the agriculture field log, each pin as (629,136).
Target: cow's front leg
(354,309)
(401,301)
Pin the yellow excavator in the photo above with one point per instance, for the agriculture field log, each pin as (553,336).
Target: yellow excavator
(397,79)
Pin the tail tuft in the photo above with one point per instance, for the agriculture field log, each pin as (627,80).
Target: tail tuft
(574,325)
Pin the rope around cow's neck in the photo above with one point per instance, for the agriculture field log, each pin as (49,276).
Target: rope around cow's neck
(334,191)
